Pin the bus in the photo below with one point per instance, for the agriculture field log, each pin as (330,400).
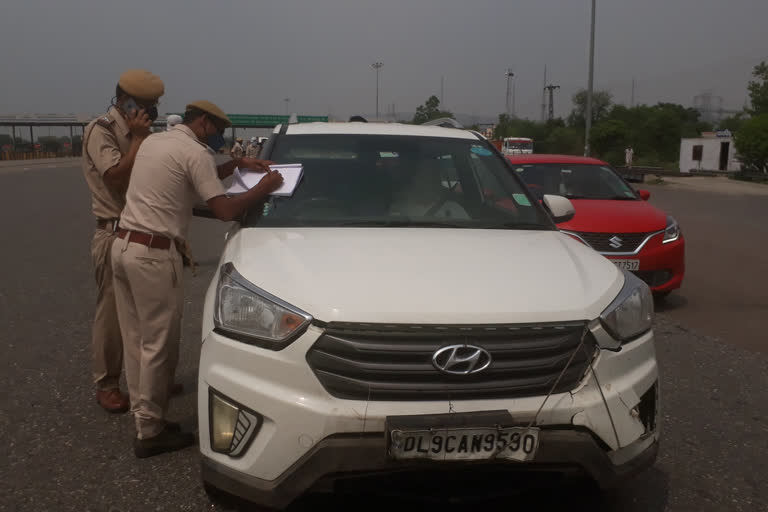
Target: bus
(517,146)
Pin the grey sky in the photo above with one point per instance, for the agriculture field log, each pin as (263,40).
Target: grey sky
(65,56)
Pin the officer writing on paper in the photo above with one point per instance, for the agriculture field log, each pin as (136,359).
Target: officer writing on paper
(172,170)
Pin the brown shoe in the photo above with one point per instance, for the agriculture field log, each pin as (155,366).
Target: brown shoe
(112,400)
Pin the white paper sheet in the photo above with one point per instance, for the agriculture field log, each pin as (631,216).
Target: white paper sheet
(246,179)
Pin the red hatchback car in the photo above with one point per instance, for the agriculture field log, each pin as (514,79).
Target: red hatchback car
(611,217)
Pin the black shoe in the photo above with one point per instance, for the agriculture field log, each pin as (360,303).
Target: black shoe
(166,441)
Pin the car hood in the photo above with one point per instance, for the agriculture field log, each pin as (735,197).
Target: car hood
(605,216)
(419,275)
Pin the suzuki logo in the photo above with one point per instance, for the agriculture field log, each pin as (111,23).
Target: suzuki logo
(615,242)
(461,359)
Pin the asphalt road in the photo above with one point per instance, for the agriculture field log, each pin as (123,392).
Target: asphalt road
(61,452)
(725,292)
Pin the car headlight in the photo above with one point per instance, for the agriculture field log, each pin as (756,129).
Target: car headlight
(631,312)
(249,314)
(672,231)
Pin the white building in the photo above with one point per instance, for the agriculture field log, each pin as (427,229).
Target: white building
(713,151)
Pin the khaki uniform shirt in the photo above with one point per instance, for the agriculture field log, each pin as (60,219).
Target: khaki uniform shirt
(252,151)
(237,150)
(172,170)
(105,141)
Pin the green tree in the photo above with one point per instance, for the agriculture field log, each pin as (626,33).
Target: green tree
(601,104)
(562,140)
(752,143)
(758,89)
(609,135)
(732,123)
(430,110)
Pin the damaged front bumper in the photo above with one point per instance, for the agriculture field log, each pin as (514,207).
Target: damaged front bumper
(607,427)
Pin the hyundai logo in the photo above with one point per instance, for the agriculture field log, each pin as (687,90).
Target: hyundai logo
(461,359)
(615,242)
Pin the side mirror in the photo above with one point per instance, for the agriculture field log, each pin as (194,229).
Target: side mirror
(560,208)
(644,194)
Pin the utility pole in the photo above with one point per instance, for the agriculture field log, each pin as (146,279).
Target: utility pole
(590,86)
(544,97)
(632,101)
(377,66)
(551,88)
(509,74)
(442,90)
(287,106)
(514,88)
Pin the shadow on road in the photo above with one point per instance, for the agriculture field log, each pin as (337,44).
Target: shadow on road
(647,493)
(671,302)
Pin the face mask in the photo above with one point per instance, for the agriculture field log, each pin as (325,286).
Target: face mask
(215,142)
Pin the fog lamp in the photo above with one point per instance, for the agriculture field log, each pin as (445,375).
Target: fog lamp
(232,426)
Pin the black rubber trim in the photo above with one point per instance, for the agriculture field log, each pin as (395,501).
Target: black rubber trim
(276,346)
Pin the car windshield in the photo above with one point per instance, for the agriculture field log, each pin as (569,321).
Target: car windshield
(399,181)
(520,144)
(575,181)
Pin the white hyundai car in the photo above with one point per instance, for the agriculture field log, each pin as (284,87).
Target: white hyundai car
(413,311)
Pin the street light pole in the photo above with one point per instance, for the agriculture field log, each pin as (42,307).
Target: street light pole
(377,66)
(590,86)
(509,74)
(287,105)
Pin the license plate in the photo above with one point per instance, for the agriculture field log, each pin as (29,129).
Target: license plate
(513,443)
(627,264)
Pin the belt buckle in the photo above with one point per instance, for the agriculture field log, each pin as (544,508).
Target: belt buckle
(114,226)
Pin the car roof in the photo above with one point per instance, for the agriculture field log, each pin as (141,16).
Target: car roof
(554,159)
(376,129)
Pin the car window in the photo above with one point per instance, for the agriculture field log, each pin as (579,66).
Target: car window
(575,181)
(377,180)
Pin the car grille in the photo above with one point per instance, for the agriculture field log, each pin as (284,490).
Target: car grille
(601,242)
(394,362)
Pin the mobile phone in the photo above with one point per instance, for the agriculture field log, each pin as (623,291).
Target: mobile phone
(130,106)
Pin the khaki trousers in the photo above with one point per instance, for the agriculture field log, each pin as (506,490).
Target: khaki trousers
(149,294)
(106,341)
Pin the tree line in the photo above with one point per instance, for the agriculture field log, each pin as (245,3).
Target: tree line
(653,131)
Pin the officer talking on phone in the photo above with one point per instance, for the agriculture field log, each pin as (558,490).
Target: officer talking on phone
(110,144)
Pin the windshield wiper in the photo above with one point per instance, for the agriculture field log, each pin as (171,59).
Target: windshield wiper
(515,225)
(600,198)
(399,224)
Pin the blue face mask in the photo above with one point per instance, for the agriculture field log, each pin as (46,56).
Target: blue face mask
(215,142)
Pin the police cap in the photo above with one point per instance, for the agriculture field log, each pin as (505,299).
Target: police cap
(141,84)
(212,109)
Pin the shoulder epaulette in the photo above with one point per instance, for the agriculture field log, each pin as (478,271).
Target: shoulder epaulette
(104,121)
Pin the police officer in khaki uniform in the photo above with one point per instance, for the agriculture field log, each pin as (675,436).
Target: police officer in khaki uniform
(173,171)
(237,149)
(110,144)
(253,149)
